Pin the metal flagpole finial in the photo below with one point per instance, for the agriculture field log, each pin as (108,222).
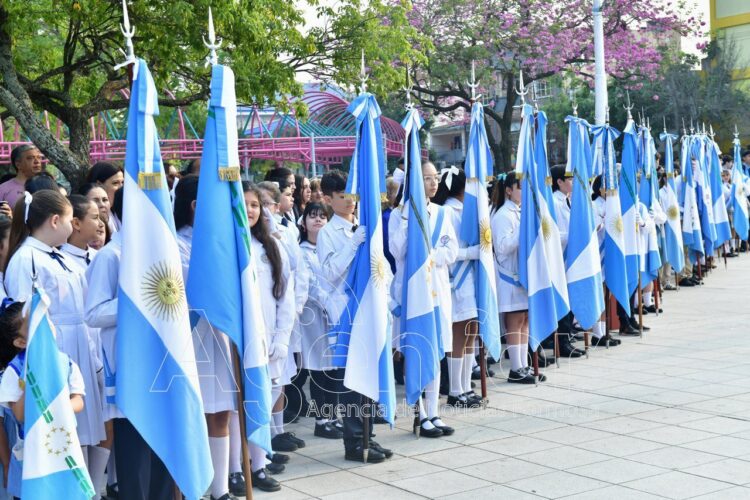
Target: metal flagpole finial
(736,132)
(575,108)
(711,131)
(362,74)
(606,115)
(407,89)
(704,128)
(665,124)
(522,90)
(692,129)
(648,123)
(211,44)
(128,33)
(629,107)
(684,130)
(473,84)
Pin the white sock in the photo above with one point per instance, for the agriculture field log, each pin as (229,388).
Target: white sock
(427,425)
(598,329)
(515,352)
(277,426)
(235,443)
(257,456)
(219,447)
(432,397)
(466,380)
(647,299)
(524,353)
(98,458)
(454,374)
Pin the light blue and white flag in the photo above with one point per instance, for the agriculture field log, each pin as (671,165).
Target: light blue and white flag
(703,193)
(157,378)
(476,230)
(672,229)
(540,261)
(53,465)
(648,196)
(629,204)
(583,269)
(739,194)
(222,283)
(691,220)
(421,341)
(363,337)
(614,266)
(543,177)
(719,208)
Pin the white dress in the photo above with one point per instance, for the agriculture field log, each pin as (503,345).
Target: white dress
(101,313)
(65,286)
(212,352)
(313,322)
(506,233)
(463,291)
(278,314)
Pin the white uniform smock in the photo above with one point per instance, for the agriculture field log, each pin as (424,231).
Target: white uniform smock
(506,233)
(65,286)
(463,291)
(313,323)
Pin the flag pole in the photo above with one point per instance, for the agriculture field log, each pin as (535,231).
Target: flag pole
(240,381)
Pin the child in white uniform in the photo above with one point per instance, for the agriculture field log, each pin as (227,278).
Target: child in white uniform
(40,225)
(450,193)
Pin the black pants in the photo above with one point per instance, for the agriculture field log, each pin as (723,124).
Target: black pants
(323,394)
(141,475)
(624,318)
(355,412)
(296,401)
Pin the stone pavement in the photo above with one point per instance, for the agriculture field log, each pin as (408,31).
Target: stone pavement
(665,416)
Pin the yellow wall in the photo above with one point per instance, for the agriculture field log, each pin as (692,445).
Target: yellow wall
(732,17)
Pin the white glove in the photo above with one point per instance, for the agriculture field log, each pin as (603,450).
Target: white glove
(277,351)
(472,253)
(359,236)
(638,219)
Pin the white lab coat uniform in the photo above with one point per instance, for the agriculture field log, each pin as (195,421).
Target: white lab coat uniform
(444,250)
(336,251)
(66,289)
(313,323)
(278,314)
(213,356)
(462,288)
(506,232)
(101,312)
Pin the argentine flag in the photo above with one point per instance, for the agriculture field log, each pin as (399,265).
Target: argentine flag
(648,195)
(739,195)
(629,204)
(672,229)
(363,344)
(583,269)
(53,465)
(476,230)
(421,341)
(703,194)
(157,379)
(615,275)
(222,281)
(540,260)
(721,217)
(691,221)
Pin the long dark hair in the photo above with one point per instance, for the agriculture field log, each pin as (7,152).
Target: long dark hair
(596,187)
(311,210)
(498,192)
(44,204)
(299,181)
(101,171)
(261,233)
(11,324)
(185,194)
(458,186)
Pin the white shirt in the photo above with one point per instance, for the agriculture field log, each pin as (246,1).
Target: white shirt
(78,256)
(336,250)
(313,322)
(11,392)
(562,214)
(463,291)
(506,237)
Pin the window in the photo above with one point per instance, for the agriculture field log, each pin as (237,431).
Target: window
(541,89)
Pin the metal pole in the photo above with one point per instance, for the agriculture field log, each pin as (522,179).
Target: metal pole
(313,165)
(600,75)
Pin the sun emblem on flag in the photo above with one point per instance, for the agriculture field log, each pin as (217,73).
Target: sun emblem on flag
(57,441)
(673,212)
(164,291)
(377,270)
(547,227)
(616,224)
(485,235)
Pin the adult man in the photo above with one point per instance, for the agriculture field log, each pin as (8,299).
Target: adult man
(27,160)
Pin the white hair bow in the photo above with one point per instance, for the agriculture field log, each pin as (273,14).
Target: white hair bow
(447,173)
(27,199)
(398,176)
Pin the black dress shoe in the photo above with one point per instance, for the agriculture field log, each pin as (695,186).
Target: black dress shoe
(600,341)
(542,377)
(237,486)
(327,431)
(281,443)
(225,496)
(686,282)
(627,329)
(613,341)
(462,402)
(430,433)
(112,490)
(447,431)
(278,458)
(275,468)
(263,481)
(544,360)
(520,377)
(473,397)
(636,326)
(652,309)
(290,436)
(568,351)
(374,445)
(356,454)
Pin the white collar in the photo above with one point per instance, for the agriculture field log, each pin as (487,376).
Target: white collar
(341,223)
(74,250)
(39,245)
(454,202)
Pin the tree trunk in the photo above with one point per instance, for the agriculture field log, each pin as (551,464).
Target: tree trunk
(79,147)
(506,145)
